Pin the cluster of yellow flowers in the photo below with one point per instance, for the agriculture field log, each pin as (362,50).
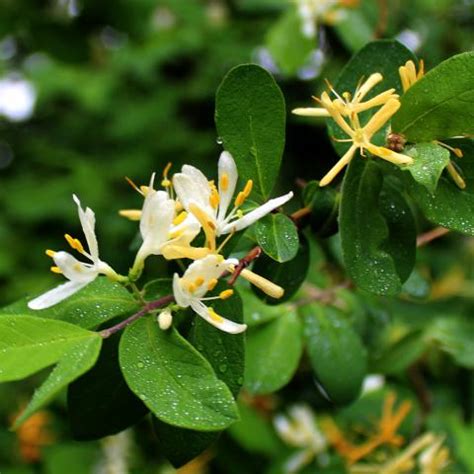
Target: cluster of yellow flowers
(345,108)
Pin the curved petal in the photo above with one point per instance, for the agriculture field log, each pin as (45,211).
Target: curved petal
(216,320)
(87,218)
(56,295)
(256,214)
(190,190)
(181,297)
(228,175)
(157,218)
(73,269)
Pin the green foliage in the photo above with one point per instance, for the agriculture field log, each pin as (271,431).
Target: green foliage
(429,162)
(173,379)
(273,353)
(439,105)
(337,355)
(278,237)
(377,230)
(250,121)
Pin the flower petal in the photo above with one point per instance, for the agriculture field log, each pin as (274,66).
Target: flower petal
(73,269)
(56,295)
(87,218)
(182,298)
(256,214)
(190,190)
(228,175)
(217,321)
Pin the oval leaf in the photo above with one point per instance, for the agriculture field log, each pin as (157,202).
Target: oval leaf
(278,237)
(250,120)
(273,353)
(377,230)
(337,355)
(173,379)
(429,162)
(441,104)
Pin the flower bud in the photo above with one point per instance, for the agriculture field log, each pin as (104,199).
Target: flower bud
(165,319)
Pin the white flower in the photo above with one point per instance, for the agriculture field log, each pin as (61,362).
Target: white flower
(300,430)
(200,277)
(78,273)
(163,232)
(210,204)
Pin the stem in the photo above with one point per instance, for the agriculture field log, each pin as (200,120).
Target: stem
(300,213)
(433,234)
(151,306)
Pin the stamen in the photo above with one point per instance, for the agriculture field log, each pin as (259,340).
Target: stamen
(224,182)
(457,151)
(180,218)
(133,185)
(167,169)
(56,270)
(248,188)
(166,183)
(207,225)
(224,242)
(132,214)
(223,295)
(215,317)
(50,253)
(212,284)
(144,189)
(457,178)
(240,199)
(191,287)
(74,243)
(214,199)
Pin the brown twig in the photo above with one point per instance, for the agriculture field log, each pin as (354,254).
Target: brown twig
(433,234)
(244,263)
(383,19)
(151,306)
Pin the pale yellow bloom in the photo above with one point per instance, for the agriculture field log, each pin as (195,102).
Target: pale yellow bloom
(409,74)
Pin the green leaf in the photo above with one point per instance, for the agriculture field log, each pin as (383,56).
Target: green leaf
(225,353)
(377,230)
(71,458)
(255,433)
(385,57)
(29,344)
(98,302)
(324,205)
(95,399)
(256,312)
(337,355)
(273,353)
(287,44)
(450,206)
(441,104)
(289,275)
(400,355)
(454,335)
(179,445)
(429,162)
(250,120)
(278,237)
(173,379)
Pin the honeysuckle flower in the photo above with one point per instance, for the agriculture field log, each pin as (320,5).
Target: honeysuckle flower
(299,429)
(162,232)
(210,203)
(199,278)
(361,136)
(165,319)
(78,273)
(347,103)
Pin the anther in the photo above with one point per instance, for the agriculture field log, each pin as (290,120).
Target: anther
(56,270)
(223,295)
(212,284)
(224,182)
(180,218)
(50,253)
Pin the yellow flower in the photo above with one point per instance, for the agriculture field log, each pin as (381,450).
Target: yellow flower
(409,75)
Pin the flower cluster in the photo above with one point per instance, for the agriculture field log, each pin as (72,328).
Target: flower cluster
(169,221)
(345,110)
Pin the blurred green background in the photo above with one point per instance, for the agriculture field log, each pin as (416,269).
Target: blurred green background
(91,92)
